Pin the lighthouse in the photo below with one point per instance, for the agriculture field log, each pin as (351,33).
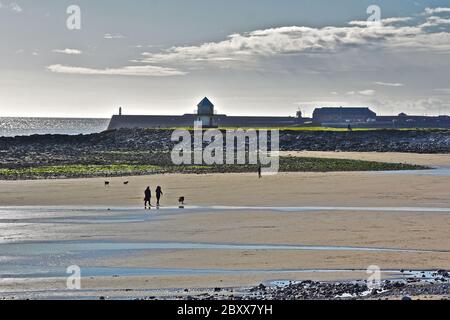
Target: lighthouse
(205,113)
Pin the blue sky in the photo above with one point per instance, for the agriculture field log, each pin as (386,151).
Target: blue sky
(261,57)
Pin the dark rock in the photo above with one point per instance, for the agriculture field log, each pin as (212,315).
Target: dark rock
(443,273)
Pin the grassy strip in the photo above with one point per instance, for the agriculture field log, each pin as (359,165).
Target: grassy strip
(287,164)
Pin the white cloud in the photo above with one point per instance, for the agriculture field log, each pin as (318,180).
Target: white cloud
(368,92)
(110,36)
(382,22)
(395,20)
(434,21)
(68,51)
(288,41)
(430,11)
(389,84)
(14,7)
(143,71)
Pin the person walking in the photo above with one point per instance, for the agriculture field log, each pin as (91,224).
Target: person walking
(147,198)
(159,193)
(259,171)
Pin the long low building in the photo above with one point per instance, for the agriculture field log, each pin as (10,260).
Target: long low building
(205,114)
(343,115)
(187,120)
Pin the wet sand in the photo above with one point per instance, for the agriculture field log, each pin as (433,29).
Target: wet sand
(409,225)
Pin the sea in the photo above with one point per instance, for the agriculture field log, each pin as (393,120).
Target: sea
(11,127)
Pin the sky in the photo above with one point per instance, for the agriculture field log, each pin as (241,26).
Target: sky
(250,57)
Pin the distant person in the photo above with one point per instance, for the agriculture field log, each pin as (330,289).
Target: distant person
(350,127)
(259,171)
(148,198)
(159,193)
(181,201)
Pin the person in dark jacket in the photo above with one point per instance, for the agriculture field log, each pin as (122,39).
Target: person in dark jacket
(159,193)
(148,198)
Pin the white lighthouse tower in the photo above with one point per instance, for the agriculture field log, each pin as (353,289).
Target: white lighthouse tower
(205,113)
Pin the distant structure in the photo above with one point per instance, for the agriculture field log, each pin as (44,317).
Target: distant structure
(206,114)
(406,121)
(342,117)
(338,117)
(323,116)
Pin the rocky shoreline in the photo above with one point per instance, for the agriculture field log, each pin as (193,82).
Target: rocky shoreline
(142,152)
(413,141)
(414,285)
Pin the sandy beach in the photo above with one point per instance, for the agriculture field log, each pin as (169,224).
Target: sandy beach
(284,189)
(235,225)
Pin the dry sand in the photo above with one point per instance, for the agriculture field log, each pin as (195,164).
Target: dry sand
(284,189)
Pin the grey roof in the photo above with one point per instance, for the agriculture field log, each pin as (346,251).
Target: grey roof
(205,103)
(343,110)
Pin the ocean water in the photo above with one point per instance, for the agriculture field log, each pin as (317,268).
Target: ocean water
(10,127)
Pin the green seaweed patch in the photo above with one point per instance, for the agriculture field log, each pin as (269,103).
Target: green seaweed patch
(305,164)
(287,164)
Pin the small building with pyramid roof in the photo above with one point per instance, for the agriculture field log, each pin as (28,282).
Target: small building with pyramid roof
(205,113)
(205,106)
